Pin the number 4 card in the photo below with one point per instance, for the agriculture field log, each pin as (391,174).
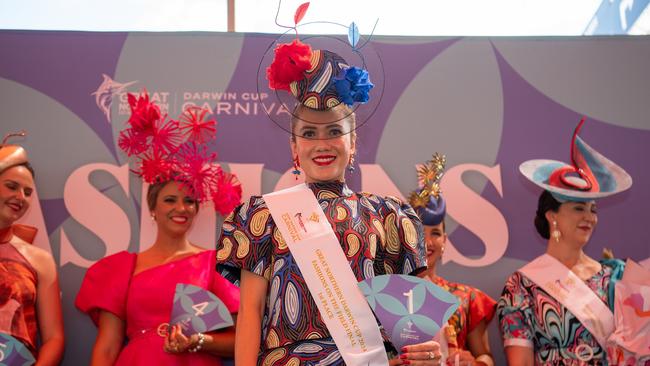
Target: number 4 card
(412,310)
(198,310)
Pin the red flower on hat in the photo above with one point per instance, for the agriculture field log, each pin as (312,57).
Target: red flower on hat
(144,114)
(167,150)
(194,127)
(289,65)
(227,194)
(166,136)
(196,168)
(155,166)
(132,142)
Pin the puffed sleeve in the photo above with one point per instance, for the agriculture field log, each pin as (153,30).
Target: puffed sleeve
(404,251)
(105,286)
(481,307)
(246,239)
(514,309)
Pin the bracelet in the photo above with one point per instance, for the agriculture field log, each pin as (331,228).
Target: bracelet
(485,359)
(199,343)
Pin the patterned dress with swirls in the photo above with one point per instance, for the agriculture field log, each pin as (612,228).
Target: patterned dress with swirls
(378,236)
(531,317)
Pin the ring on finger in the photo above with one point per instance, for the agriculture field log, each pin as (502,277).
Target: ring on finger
(432,356)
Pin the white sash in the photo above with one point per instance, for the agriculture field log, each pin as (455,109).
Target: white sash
(572,292)
(328,275)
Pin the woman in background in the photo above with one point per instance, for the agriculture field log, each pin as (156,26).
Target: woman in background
(557,310)
(466,333)
(30,303)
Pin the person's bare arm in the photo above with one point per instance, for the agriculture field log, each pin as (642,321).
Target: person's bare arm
(249,319)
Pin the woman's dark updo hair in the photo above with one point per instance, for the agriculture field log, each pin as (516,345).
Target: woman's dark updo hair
(546,202)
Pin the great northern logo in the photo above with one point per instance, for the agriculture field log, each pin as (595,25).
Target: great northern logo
(104,94)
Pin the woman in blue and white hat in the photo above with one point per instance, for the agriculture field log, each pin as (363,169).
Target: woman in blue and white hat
(558,309)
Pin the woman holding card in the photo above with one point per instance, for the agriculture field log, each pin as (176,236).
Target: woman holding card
(557,309)
(285,318)
(130,296)
(30,304)
(466,334)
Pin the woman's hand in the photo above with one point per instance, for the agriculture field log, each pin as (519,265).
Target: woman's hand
(422,354)
(177,342)
(460,357)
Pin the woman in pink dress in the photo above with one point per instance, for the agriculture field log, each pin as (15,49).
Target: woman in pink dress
(130,296)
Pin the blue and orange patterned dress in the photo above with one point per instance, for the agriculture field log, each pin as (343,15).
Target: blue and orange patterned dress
(378,236)
(531,317)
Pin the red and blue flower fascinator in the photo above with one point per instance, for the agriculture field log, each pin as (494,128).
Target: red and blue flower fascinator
(589,176)
(316,74)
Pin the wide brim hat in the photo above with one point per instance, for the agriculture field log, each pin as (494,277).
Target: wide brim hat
(590,175)
(12,155)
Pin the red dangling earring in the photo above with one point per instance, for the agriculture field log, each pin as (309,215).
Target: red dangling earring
(296,165)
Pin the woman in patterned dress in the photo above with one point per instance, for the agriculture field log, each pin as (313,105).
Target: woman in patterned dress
(278,321)
(30,304)
(466,334)
(536,327)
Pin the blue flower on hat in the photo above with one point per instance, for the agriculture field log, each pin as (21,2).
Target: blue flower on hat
(353,85)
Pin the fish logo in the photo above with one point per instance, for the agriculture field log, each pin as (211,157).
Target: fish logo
(104,94)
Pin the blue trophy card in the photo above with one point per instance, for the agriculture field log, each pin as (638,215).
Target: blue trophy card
(198,310)
(412,310)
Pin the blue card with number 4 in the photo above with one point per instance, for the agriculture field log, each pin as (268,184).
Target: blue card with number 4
(198,310)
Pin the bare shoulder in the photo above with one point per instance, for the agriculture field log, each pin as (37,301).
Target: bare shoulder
(39,258)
